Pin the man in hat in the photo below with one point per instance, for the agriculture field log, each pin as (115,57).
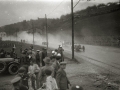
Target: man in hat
(43,55)
(56,63)
(61,78)
(17,85)
(22,72)
(60,50)
(38,58)
(47,66)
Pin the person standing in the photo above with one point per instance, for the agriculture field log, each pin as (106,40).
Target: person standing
(43,55)
(56,64)
(50,81)
(38,58)
(61,78)
(60,50)
(47,66)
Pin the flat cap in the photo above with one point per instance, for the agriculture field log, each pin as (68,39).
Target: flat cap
(53,51)
(15,80)
(59,54)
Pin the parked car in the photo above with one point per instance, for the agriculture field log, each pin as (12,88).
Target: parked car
(10,65)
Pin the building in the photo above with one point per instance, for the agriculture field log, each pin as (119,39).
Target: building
(2,34)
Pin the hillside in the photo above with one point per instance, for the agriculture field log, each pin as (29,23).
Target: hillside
(93,25)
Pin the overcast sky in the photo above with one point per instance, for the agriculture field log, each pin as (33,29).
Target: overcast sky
(12,11)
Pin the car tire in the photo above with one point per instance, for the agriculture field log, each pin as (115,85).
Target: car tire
(4,66)
(13,69)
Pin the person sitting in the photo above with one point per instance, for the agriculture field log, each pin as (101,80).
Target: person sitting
(22,72)
(17,85)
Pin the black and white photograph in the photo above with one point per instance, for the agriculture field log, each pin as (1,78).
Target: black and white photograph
(59,44)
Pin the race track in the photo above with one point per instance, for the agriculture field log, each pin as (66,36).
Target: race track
(105,57)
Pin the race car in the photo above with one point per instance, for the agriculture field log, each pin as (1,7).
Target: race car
(9,65)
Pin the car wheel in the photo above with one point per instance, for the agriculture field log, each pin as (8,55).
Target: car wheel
(2,66)
(13,69)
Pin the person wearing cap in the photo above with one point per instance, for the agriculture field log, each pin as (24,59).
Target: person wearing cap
(43,55)
(53,53)
(17,85)
(56,64)
(47,66)
(38,57)
(60,50)
(76,87)
(22,72)
(61,77)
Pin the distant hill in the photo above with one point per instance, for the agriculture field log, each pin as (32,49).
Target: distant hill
(90,24)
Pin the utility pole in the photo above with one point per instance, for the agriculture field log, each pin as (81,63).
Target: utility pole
(16,34)
(33,32)
(72,15)
(46,31)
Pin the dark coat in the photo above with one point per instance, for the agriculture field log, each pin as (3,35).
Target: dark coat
(62,80)
(56,67)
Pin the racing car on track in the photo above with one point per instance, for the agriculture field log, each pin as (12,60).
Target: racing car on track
(78,47)
(10,65)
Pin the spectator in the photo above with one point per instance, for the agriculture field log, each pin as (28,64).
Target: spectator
(17,85)
(43,55)
(61,78)
(31,71)
(38,57)
(22,72)
(50,81)
(56,64)
(47,66)
(60,50)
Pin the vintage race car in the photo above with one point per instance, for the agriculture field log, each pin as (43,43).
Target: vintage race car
(78,47)
(10,65)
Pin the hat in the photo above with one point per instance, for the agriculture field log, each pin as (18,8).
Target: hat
(37,50)
(76,88)
(59,54)
(63,63)
(15,80)
(46,60)
(21,70)
(53,51)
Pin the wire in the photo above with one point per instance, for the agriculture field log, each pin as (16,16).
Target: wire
(55,8)
(76,4)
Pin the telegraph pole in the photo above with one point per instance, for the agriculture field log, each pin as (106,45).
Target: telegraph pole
(33,32)
(16,34)
(46,31)
(72,15)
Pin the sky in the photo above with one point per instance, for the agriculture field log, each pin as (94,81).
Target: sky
(13,11)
